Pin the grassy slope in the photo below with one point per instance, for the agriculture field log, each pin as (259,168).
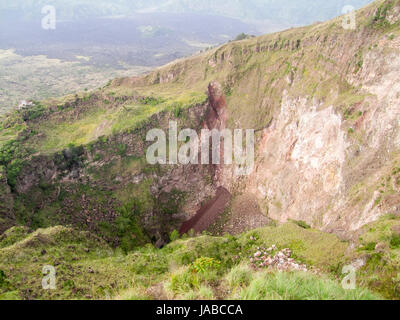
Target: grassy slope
(81,119)
(88,268)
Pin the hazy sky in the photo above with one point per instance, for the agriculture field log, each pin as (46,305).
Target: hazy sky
(279,11)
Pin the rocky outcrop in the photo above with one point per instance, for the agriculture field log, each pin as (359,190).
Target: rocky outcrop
(336,169)
(301,157)
(216,115)
(215,119)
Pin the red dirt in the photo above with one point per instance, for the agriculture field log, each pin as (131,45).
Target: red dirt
(216,118)
(217,114)
(208,214)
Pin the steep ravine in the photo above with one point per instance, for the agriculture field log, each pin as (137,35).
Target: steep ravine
(323,100)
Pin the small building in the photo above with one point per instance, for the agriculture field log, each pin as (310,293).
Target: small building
(24,104)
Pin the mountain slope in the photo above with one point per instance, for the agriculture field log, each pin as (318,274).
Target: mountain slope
(324,101)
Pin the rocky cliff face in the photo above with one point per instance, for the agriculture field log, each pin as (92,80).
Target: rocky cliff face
(326,101)
(337,169)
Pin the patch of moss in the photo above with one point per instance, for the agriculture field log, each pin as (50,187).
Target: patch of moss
(301,224)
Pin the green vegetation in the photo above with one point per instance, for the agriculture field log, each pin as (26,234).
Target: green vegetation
(202,267)
(34,112)
(380,247)
(300,286)
(301,224)
(13,235)
(309,246)
(128,227)
(174,235)
(379,20)
(239,276)
(12,154)
(243,36)
(359,62)
(13,170)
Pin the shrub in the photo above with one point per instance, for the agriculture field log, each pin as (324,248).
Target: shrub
(205,292)
(151,101)
(370,246)
(128,228)
(379,19)
(395,241)
(3,280)
(13,170)
(301,224)
(35,112)
(221,249)
(9,151)
(203,265)
(239,276)
(243,36)
(191,284)
(71,157)
(183,281)
(174,236)
(177,110)
(121,149)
